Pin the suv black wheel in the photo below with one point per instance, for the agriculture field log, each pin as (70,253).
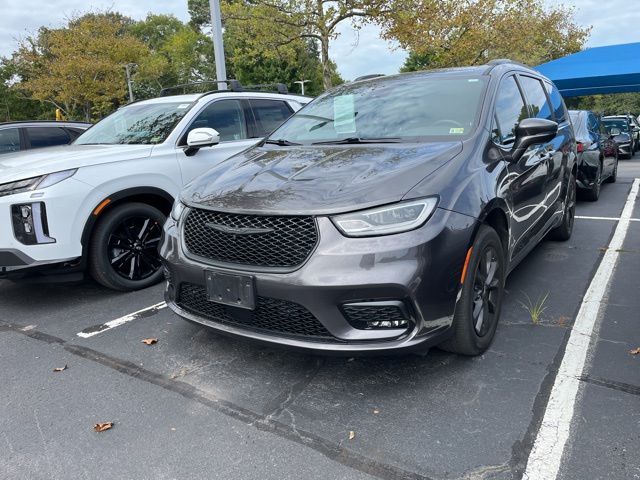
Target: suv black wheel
(614,175)
(477,312)
(564,231)
(592,194)
(123,253)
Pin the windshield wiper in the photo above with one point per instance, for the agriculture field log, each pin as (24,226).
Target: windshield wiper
(356,140)
(281,142)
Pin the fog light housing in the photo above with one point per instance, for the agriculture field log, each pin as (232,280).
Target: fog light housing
(30,223)
(378,315)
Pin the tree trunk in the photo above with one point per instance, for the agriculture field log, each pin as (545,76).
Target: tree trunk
(326,63)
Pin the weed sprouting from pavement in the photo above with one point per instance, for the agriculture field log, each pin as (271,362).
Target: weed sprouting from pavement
(535,309)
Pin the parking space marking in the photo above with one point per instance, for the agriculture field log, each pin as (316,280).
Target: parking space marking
(145,312)
(611,219)
(546,455)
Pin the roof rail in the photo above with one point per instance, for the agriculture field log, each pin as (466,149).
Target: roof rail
(503,61)
(234,86)
(264,87)
(370,76)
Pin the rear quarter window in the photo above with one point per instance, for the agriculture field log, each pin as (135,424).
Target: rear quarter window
(557,103)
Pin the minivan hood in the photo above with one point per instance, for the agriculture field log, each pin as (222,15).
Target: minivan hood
(317,179)
(32,163)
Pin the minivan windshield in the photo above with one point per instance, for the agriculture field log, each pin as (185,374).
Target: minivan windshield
(147,124)
(405,109)
(620,124)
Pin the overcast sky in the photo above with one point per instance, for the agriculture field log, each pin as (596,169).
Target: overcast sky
(614,21)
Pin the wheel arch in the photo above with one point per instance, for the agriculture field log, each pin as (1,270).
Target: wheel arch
(154,196)
(495,215)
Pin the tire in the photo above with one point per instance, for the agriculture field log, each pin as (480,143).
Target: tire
(123,252)
(614,175)
(481,298)
(564,231)
(592,194)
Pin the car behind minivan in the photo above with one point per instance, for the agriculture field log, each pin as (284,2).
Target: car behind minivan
(384,216)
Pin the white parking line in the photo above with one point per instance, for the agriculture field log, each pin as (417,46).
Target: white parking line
(611,219)
(546,455)
(145,312)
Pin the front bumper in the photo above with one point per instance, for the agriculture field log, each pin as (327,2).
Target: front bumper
(420,269)
(65,215)
(624,148)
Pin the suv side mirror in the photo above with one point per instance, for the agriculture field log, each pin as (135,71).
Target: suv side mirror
(199,138)
(532,131)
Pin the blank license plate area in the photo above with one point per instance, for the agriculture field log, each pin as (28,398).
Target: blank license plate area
(233,290)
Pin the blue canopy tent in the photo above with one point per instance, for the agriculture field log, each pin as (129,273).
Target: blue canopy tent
(610,69)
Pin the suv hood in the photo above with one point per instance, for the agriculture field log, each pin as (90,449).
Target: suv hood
(32,163)
(318,179)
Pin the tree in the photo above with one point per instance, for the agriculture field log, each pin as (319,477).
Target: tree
(80,68)
(14,103)
(450,33)
(614,104)
(278,23)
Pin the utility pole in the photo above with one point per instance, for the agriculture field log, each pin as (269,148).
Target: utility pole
(129,84)
(302,82)
(218,46)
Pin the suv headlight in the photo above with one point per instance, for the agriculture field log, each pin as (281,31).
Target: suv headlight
(35,183)
(176,211)
(397,218)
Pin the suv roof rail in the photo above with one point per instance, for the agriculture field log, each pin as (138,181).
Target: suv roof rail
(234,86)
(266,87)
(368,77)
(504,61)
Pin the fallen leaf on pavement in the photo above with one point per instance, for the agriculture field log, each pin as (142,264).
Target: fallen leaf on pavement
(352,435)
(101,427)
(150,341)
(60,369)
(635,351)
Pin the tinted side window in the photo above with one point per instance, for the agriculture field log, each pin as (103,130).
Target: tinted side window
(510,109)
(536,97)
(9,140)
(75,132)
(226,117)
(593,124)
(269,115)
(556,103)
(47,136)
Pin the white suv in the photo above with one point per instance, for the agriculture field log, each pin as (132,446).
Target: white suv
(100,203)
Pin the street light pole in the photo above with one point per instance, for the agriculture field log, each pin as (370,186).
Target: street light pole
(302,82)
(218,46)
(129,84)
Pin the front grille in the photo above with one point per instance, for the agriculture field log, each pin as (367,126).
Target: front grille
(364,317)
(270,316)
(259,240)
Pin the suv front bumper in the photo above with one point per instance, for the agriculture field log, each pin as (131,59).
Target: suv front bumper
(417,271)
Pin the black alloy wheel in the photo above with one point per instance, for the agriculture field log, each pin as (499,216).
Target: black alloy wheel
(592,194)
(564,231)
(485,288)
(124,247)
(614,174)
(478,309)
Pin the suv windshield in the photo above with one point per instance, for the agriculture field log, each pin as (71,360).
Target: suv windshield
(620,124)
(136,124)
(405,109)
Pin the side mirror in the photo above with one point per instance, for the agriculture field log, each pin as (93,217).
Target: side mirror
(199,138)
(532,131)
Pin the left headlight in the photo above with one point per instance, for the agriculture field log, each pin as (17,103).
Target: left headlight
(397,218)
(35,183)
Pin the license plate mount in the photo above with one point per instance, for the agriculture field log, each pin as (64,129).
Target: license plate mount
(230,289)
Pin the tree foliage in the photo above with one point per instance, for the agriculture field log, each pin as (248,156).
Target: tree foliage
(80,69)
(616,104)
(450,33)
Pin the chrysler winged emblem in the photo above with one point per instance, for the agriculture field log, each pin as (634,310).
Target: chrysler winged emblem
(238,230)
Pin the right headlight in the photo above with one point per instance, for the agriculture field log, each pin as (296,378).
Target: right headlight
(396,218)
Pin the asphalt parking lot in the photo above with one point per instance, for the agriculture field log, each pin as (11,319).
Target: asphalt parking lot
(198,405)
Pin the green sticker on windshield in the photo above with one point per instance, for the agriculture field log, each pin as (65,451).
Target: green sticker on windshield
(456,131)
(344,116)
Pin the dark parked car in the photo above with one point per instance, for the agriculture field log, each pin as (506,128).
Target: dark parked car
(620,129)
(383,216)
(18,136)
(597,153)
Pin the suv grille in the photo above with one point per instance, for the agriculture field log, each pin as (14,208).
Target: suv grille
(252,240)
(271,315)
